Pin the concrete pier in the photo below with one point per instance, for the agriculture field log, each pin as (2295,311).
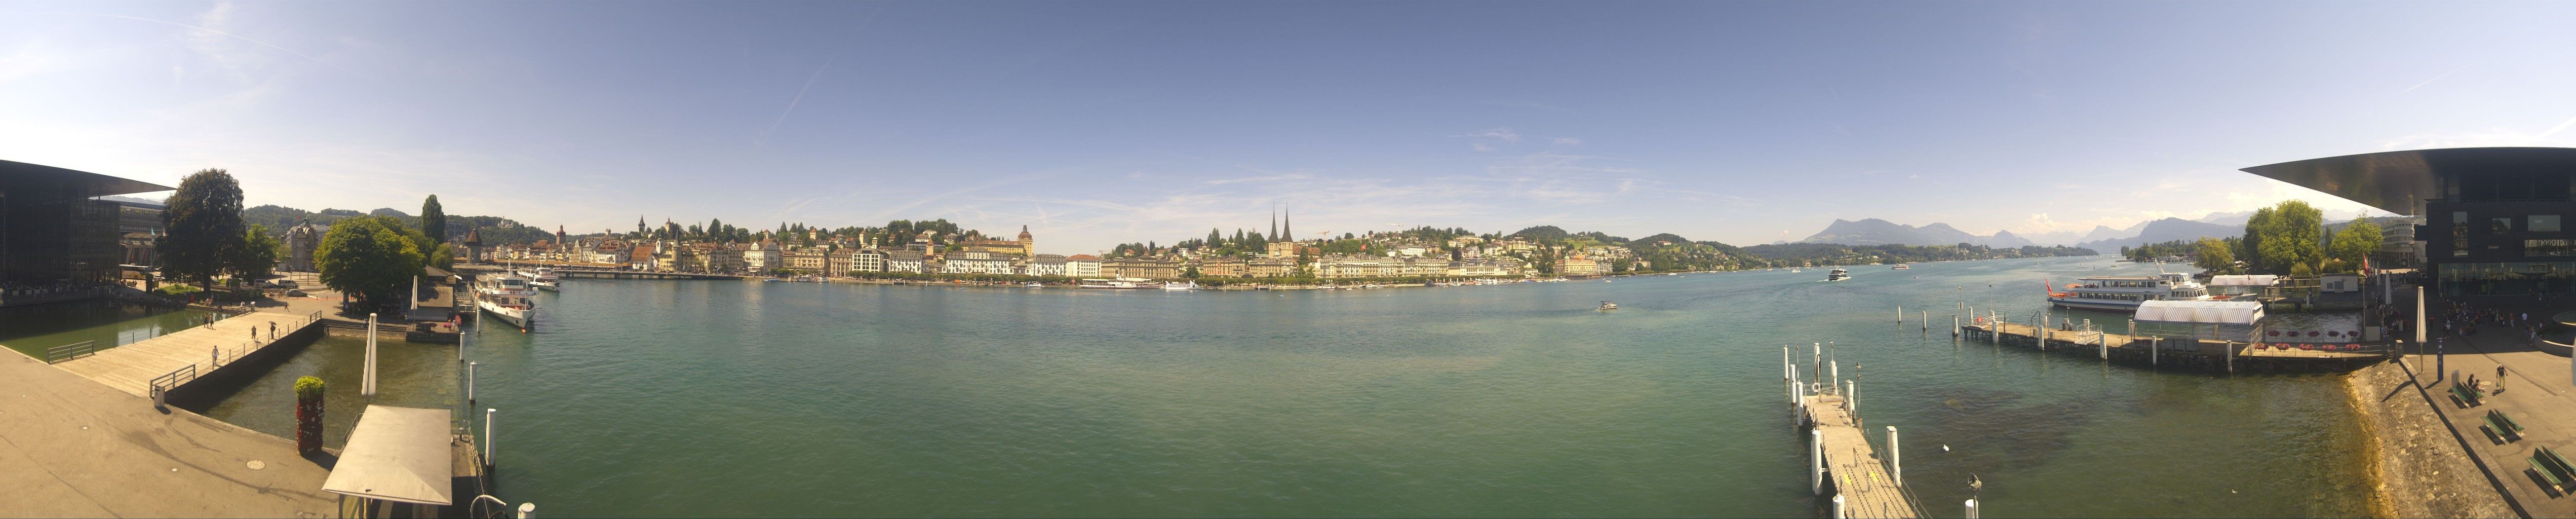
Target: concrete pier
(174,361)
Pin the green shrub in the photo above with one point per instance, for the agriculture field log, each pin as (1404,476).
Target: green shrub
(176,289)
(308,387)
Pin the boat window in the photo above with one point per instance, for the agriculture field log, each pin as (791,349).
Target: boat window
(2543,223)
(2500,225)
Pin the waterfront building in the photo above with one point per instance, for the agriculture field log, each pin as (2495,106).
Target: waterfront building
(808,258)
(1474,267)
(839,262)
(56,241)
(1579,265)
(1082,266)
(638,258)
(764,256)
(1270,267)
(974,262)
(1141,268)
(2397,245)
(1046,265)
(906,261)
(1222,267)
(2495,220)
(868,260)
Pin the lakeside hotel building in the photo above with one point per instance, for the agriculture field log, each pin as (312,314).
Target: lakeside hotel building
(2496,221)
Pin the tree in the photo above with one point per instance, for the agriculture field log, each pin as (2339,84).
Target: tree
(368,259)
(204,226)
(256,255)
(433,223)
(2214,256)
(2355,242)
(443,257)
(2293,235)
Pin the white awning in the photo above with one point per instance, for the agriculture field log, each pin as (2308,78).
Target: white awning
(2200,312)
(397,454)
(2262,280)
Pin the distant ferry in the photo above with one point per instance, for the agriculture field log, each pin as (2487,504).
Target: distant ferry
(2125,293)
(1185,285)
(1838,275)
(1900,266)
(1119,284)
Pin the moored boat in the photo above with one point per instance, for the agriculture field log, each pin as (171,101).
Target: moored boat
(509,298)
(2125,293)
(1185,285)
(1606,305)
(1838,275)
(1119,284)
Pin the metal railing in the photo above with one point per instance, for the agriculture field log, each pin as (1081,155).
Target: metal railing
(162,385)
(58,354)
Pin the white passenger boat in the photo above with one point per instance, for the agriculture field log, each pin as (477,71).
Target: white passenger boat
(2125,293)
(1900,266)
(1606,305)
(1838,275)
(1119,284)
(1185,285)
(541,278)
(509,298)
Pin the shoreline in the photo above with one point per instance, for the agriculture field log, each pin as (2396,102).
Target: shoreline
(2409,452)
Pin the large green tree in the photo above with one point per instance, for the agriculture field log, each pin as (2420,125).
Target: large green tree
(2214,257)
(2292,235)
(433,223)
(256,255)
(2355,242)
(203,226)
(369,259)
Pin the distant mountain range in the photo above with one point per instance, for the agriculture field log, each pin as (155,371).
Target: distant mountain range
(1874,231)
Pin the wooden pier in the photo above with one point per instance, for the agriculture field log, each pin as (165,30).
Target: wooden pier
(159,364)
(2225,356)
(1842,467)
(1847,467)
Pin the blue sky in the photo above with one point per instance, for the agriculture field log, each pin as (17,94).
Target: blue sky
(1098,123)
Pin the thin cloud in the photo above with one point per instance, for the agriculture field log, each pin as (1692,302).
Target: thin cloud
(800,97)
(220,10)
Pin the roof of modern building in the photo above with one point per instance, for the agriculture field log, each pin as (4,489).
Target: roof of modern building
(21,176)
(2395,181)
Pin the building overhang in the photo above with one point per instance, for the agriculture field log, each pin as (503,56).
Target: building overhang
(38,178)
(2400,181)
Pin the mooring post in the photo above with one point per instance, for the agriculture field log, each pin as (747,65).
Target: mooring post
(527,510)
(1895,458)
(1927,320)
(1972,509)
(1820,359)
(469,380)
(488,440)
(1900,314)
(1838,506)
(1837,367)
(2155,347)
(1851,397)
(1816,461)
(1954,325)
(1787,368)
(368,387)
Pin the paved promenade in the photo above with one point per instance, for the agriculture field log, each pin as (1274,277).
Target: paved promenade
(73,447)
(2538,395)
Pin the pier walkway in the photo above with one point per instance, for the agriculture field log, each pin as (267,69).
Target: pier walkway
(1847,468)
(159,364)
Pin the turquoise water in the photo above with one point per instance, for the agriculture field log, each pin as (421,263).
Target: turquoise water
(703,398)
(106,324)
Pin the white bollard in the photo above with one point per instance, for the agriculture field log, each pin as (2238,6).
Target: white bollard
(1895,457)
(1816,461)
(527,510)
(1838,506)
(1851,397)
(1900,314)
(1972,509)
(1837,367)
(469,381)
(488,440)
(368,386)
(2419,316)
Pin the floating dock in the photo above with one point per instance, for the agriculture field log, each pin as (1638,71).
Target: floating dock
(2228,356)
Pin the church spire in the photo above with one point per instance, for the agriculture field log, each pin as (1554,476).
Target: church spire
(1274,221)
(1285,229)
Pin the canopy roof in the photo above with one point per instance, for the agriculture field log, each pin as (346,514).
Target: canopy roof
(2200,312)
(21,176)
(2396,181)
(2253,280)
(397,454)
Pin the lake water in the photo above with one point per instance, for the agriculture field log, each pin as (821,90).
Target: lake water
(697,398)
(105,324)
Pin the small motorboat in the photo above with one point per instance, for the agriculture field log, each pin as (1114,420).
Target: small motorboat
(1606,305)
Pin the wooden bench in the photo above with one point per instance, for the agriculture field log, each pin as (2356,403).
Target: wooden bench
(2551,466)
(2503,427)
(2466,395)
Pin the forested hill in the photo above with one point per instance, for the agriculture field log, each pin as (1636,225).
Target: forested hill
(495,229)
